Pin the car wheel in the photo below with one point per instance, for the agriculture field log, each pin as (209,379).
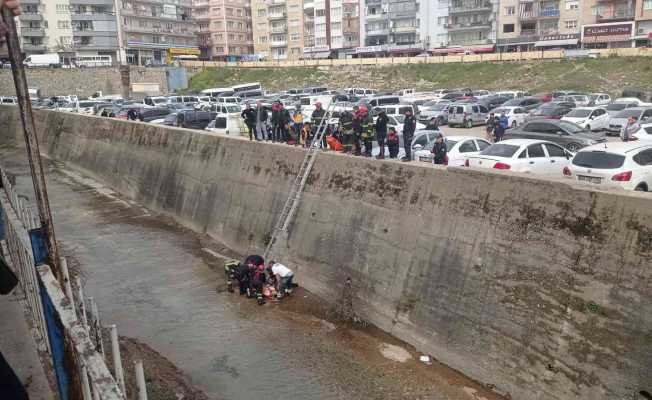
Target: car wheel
(469,124)
(588,128)
(641,188)
(513,124)
(440,120)
(573,147)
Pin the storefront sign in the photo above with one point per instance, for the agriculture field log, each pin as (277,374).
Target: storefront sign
(603,33)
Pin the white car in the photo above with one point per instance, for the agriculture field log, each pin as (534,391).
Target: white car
(396,121)
(625,165)
(227,124)
(459,148)
(644,133)
(515,115)
(536,157)
(589,118)
(600,99)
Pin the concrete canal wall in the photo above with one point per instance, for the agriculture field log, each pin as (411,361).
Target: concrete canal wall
(538,287)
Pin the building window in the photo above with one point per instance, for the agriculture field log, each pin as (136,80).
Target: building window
(63,24)
(219,49)
(62,8)
(571,24)
(572,5)
(262,13)
(511,10)
(295,37)
(508,28)
(262,39)
(647,4)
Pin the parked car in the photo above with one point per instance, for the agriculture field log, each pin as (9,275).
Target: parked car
(434,110)
(615,107)
(512,94)
(599,99)
(567,134)
(528,103)
(225,108)
(544,97)
(8,100)
(515,115)
(549,111)
(581,100)
(616,123)
(536,157)
(150,114)
(589,118)
(395,109)
(383,100)
(459,148)
(227,124)
(644,133)
(397,121)
(493,101)
(625,165)
(467,114)
(169,120)
(629,100)
(451,97)
(194,119)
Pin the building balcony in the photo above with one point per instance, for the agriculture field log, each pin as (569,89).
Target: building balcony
(404,29)
(278,29)
(32,32)
(528,32)
(31,48)
(31,17)
(546,13)
(615,15)
(278,43)
(376,17)
(30,2)
(469,26)
(308,5)
(471,8)
(378,32)
(272,3)
(91,3)
(92,17)
(277,16)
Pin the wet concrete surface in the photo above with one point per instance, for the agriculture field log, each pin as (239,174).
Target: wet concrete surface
(164,285)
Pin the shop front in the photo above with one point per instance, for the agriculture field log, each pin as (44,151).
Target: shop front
(608,36)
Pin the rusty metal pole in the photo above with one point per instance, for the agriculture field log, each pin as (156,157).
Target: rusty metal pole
(31,142)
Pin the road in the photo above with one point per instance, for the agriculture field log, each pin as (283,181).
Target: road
(163,285)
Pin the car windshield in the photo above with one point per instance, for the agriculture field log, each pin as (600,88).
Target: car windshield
(232,109)
(547,111)
(439,107)
(399,118)
(571,127)
(514,102)
(616,106)
(598,159)
(628,113)
(86,104)
(579,113)
(499,111)
(500,150)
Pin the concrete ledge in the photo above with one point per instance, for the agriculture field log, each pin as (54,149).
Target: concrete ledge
(539,287)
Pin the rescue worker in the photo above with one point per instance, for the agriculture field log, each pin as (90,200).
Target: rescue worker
(409,126)
(283,277)
(241,274)
(367,130)
(491,125)
(249,116)
(306,134)
(258,279)
(346,129)
(439,150)
(317,117)
(261,121)
(381,132)
(357,130)
(132,114)
(297,124)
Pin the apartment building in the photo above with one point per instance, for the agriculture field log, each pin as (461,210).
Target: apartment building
(71,28)
(278,29)
(643,18)
(433,23)
(316,28)
(472,22)
(224,29)
(155,31)
(391,27)
(344,27)
(616,23)
(539,24)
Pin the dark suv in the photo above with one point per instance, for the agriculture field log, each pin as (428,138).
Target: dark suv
(567,134)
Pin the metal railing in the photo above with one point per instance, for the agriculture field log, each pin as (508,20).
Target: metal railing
(64,326)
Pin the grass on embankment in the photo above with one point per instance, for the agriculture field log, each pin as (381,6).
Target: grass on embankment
(610,74)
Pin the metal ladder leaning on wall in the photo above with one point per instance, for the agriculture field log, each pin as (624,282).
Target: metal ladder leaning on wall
(292,202)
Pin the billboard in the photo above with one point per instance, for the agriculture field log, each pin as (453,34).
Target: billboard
(603,33)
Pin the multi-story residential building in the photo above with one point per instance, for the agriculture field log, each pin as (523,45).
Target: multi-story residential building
(433,23)
(472,22)
(525,25)
(616,23)
(224,29)
(344,27)
(316,28)
(278,28)
(391,26)
(643,18)
(154,31)
(71,28)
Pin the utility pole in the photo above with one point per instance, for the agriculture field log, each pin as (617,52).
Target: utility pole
(125,78)
(31,142)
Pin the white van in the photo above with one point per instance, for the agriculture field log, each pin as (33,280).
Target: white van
(227,124)
(395,109)
(383,100)
(215,92)
(43,60)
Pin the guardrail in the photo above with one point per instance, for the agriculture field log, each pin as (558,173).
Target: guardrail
(64,327)
(458,58)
